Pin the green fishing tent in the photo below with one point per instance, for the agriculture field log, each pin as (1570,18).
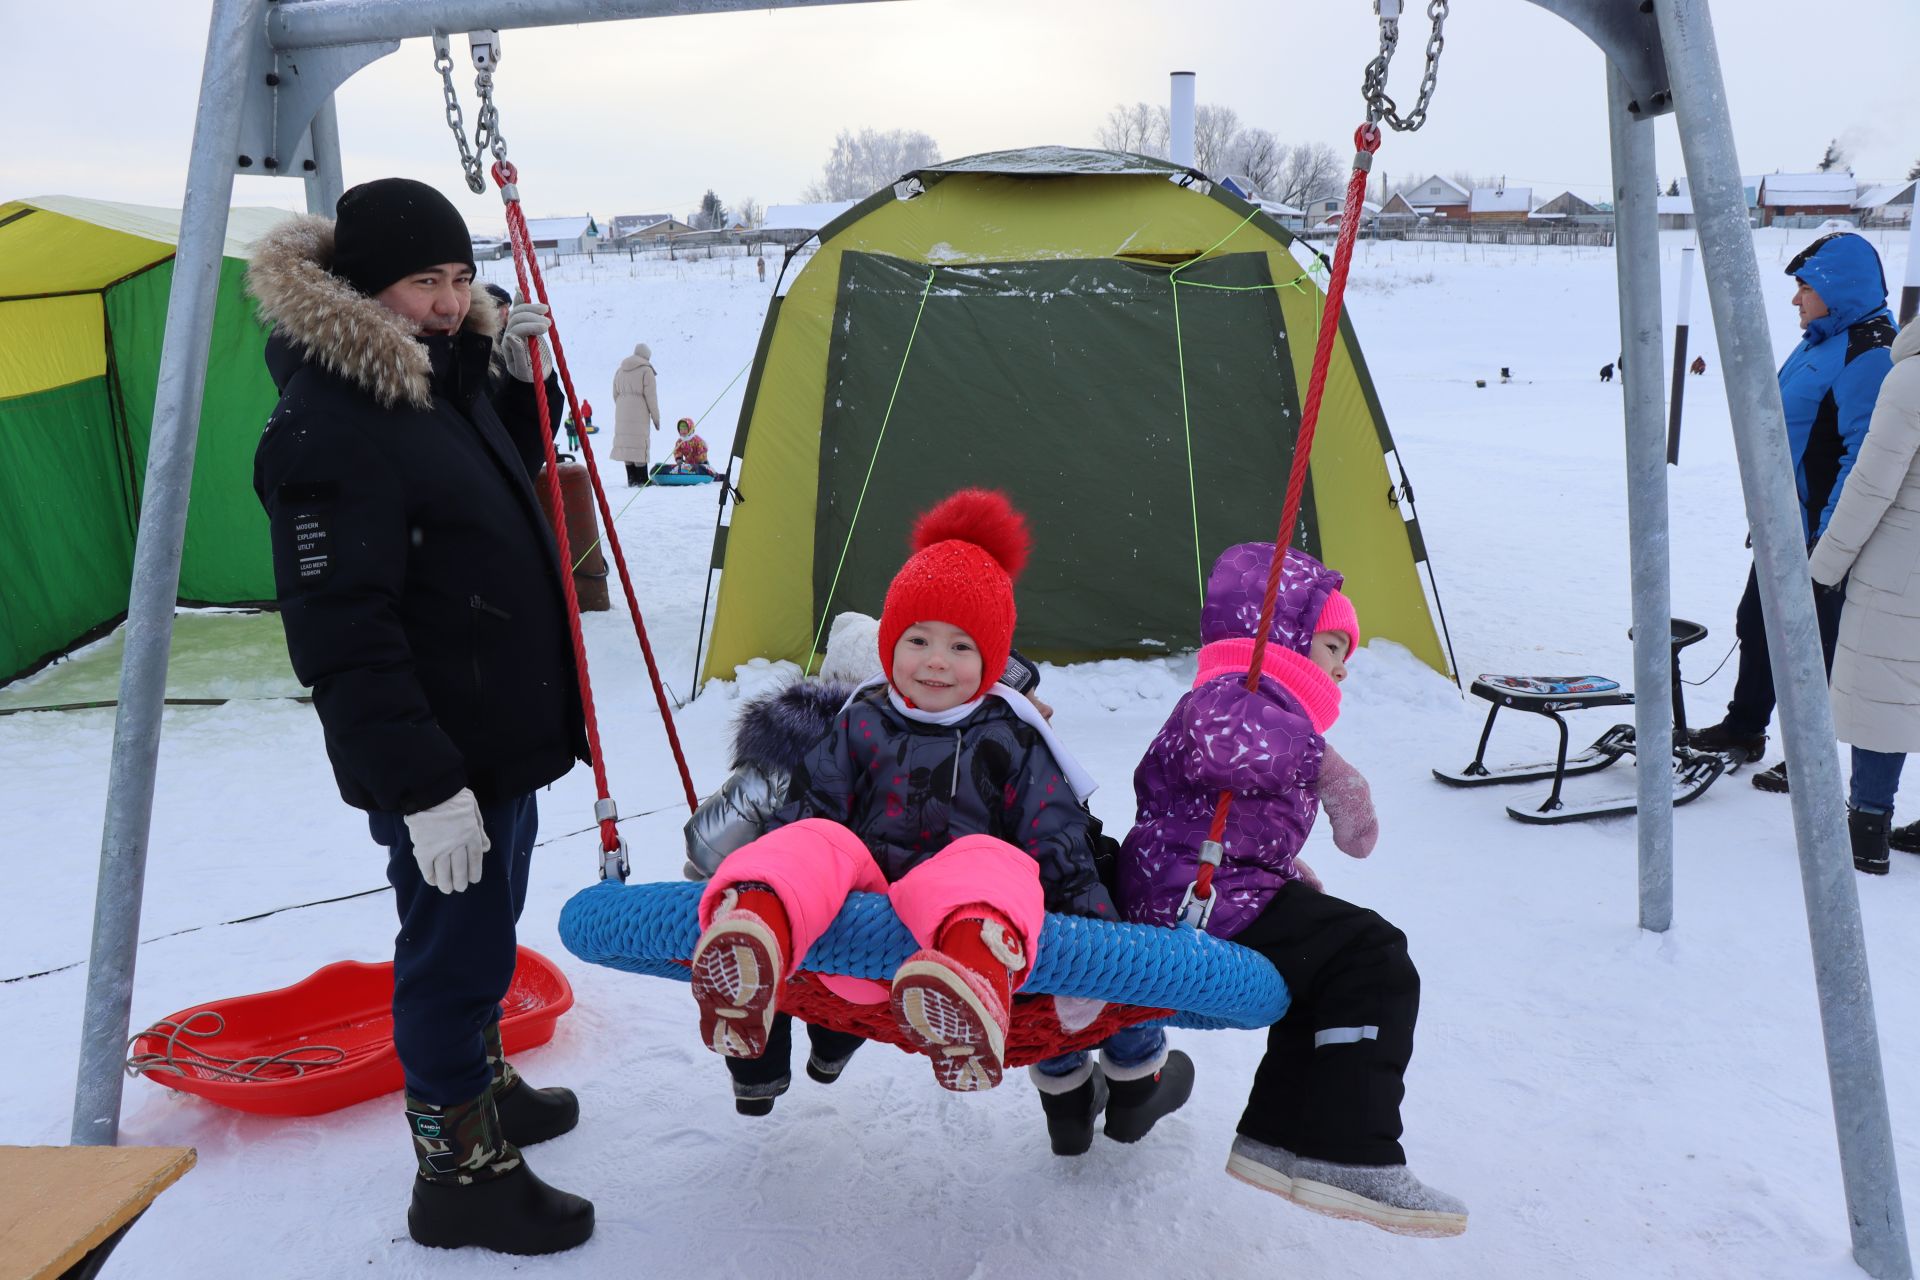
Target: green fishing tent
(1119,345)
(83,305)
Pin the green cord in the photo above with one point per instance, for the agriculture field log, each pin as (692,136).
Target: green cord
(854,523)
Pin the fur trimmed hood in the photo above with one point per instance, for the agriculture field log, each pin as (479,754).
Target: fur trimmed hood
(328,321)
(775,732)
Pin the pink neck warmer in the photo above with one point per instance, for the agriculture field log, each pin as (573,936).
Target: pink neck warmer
(1295,672)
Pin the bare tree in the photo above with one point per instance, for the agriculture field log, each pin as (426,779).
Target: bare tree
(1214,132)
(1140,129)
(862,163)
(1835,158)
(1308,171)
(1257,154)
(752,213)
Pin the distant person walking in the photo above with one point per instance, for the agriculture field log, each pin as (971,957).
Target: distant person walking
(636,410)
(1827,387)
(1871,546)
(760,265)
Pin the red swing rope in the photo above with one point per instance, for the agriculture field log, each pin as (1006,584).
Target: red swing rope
(526,264)
(1366,141)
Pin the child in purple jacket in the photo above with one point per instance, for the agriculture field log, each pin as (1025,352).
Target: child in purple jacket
(1322,1124)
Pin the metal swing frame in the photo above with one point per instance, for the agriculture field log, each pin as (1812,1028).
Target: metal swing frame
(266,107)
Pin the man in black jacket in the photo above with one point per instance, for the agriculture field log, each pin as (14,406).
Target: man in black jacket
(420,591)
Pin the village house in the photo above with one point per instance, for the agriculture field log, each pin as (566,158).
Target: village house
(1802,199)
(1499,204)
(1886,204)
(1435,197)
(565,235)
(646,229)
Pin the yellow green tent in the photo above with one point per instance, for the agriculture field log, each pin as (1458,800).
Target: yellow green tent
(83,305)
(1119,345)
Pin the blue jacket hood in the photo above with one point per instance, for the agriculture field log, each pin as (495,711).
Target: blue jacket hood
(1846,273)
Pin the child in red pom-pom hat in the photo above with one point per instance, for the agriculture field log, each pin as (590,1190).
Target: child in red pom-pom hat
(937,787)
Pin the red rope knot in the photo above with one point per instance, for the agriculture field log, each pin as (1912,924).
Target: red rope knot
(1367,138)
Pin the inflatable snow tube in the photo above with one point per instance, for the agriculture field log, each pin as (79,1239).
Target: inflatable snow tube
(1211,983)
(682,477)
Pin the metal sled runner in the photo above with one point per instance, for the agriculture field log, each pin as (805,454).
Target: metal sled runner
(1549,696)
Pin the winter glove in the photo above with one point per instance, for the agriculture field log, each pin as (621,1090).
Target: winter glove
(525,321)
(1348,800)
(1308,876)
(449,842)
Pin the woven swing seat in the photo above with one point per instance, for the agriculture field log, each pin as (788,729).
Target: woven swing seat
(1144,973)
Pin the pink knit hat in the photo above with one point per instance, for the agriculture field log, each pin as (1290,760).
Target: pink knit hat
(1339,615)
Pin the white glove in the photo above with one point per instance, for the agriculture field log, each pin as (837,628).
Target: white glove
(449,842)
(525,321)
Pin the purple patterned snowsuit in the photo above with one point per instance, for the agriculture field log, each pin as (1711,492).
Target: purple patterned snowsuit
(1262,746)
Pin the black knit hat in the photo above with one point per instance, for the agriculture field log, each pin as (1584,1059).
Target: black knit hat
(382,230)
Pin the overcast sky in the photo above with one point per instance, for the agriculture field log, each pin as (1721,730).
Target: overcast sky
(643,116)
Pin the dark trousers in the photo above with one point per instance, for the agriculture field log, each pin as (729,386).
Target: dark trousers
(1752,704)
(636,474)
(1331,1083)
(454,956)
(757,1075)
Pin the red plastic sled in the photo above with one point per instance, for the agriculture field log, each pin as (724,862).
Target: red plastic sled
(348,1006)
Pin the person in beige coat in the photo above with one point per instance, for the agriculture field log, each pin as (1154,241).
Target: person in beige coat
(1872,544)
(636,410)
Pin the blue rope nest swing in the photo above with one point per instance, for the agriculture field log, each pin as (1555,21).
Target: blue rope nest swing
(1145,973)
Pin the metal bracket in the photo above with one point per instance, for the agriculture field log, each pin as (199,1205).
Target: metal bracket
(1629,34)
(284,90)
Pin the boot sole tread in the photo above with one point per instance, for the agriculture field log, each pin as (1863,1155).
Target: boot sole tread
(1337,1202)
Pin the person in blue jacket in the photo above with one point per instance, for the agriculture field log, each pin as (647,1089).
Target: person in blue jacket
(1828,387)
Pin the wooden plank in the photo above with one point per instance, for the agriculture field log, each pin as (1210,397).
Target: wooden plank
(57,1203)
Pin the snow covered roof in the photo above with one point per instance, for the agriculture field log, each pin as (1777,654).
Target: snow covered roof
(804,217)
(1785,189)
(1434,177)
(1279,209)
(1674,204)
(1500,200)
(1241,185)
(559,228)
(1884,194)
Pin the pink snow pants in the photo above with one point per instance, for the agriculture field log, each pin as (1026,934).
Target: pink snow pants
(813,865)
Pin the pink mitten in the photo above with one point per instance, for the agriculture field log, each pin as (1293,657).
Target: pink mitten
(1308,876)
(1348,800)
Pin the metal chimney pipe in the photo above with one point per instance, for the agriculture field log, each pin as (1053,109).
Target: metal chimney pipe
(1180,120)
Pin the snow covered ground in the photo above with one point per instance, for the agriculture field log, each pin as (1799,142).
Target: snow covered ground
(1610,1103)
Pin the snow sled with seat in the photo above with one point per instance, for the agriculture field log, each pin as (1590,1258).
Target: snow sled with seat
(1693,770)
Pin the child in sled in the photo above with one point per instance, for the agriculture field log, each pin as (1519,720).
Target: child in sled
(1322,1124)
(937,787)
(689,451)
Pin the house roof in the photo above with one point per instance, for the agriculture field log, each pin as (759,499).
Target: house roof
(1749,184)
(804,217)
(1786,189)
(1434,177)
(559,228)
(1500,200)
(1673,204)
(1279,209)
(1878,197)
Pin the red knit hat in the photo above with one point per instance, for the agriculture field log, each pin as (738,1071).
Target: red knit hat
(967,551)
(1338,614)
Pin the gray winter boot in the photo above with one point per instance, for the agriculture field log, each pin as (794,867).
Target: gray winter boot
(1386,1196)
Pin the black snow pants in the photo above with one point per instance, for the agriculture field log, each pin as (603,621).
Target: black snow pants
(454,956)
(1331,1083)
(766,1075)
(1752,704)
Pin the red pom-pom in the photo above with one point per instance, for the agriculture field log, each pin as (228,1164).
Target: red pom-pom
(983,517)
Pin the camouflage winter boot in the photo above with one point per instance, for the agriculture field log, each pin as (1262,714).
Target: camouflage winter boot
(474,1188)
(527,1115)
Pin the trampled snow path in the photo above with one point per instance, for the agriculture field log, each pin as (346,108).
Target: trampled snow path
(1609,1103)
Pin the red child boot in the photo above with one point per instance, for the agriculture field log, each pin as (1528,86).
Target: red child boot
(737,968)
(953,999)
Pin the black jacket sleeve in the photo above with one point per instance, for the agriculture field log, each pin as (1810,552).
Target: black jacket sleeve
(519,412)
(338,529)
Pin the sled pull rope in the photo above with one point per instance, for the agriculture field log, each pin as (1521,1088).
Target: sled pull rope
(827,611)
(1366,141)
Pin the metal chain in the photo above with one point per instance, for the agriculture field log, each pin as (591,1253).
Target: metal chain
(443,63)
(1373,84)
